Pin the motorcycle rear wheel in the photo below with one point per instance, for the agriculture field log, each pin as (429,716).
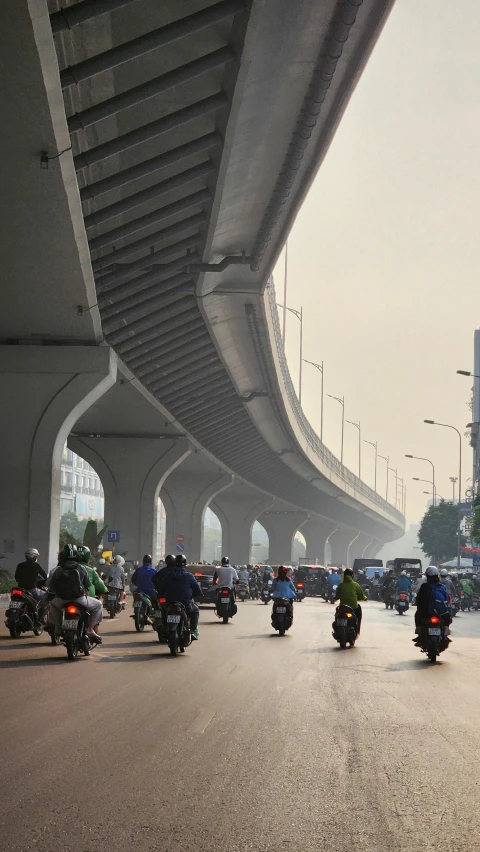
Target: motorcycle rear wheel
(140,619)
(432,656)
(225,619)
(71,643)
(15,630)
(112,610)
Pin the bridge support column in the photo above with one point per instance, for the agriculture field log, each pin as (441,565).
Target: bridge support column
(238,513)
(281,528)
(185,497)
(359,546)
(340,542)
(132,471)
(317,531)
(46,389)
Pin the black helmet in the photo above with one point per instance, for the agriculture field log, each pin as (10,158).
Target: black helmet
(348,572)
(180,560)
(225,560)
(147,559)
(169,560)
(69,552)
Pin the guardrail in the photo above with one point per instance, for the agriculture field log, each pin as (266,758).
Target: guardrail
(323,453)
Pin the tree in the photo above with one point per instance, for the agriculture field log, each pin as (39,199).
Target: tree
(92,537)
(475,531)
(71,523)
(438,531)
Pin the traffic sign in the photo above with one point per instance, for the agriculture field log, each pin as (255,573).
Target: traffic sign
(476,561)
(180,548)
(180,538)
(114,535)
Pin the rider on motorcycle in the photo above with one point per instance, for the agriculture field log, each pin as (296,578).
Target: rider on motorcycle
(349,593)
(28,574)
(283,587)
(142,579)
(243,574)
(97,586)
(447,582)
(177,584)
(424,597)
(225,576)
(404,584)
(58,585)
(333,579)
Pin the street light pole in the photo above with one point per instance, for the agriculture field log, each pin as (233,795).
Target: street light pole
(420,458)
(386,459)
(299,316)
(430,482)
(375,446)
(342,403)
(320,369)
(453,480)
(395,471)
(459,517)
(358,426)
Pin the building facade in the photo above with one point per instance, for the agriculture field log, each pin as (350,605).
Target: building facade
(80,488)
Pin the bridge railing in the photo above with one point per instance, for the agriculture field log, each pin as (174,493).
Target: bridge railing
(323,453)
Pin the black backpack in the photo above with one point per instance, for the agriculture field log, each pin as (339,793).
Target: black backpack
(69,584)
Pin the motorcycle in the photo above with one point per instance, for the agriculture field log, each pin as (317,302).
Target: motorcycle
(242,591)
(179,635)
(253,586)
(142,610)
(401,603)
(23,613)
(300,590)
(74,631)
(345,626)
(389,598)
(375,592)
(433,639)
(331,594)
(225,606)
(159,621)
(266,592)
(281,615)
(113,603)
(454,605)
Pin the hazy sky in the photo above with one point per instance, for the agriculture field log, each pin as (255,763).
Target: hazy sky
(385,252)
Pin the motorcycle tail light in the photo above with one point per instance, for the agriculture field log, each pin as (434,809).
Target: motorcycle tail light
(348,614)
(72,610)
(434,619)
(403,597)
(198,574)
(162,600)
(16,592)
(225,592)
(299,585)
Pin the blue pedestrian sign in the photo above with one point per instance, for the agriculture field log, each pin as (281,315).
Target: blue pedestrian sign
(180,548)
(114,535)
(476,561)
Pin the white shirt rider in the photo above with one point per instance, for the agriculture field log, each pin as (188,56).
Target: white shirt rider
(226,576)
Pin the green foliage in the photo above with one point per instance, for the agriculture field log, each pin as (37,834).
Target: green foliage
(71,523)
(438,531)
(6,581)
(475,531)
(92,537)
(67,538)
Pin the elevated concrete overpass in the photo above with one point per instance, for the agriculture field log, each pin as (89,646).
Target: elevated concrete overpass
(157,158)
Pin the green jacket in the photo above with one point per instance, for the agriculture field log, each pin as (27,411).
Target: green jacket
(466,586)
(349,593)
(97,586)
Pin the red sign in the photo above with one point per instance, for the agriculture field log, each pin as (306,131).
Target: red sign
(180,539)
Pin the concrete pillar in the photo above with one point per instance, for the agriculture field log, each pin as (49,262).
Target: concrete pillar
(340,543)
(281,528)
(45,389)
(359,546)
(238,512)
(317,531)
(185,496)
(132,470)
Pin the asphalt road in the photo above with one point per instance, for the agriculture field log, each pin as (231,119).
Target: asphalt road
(248,741)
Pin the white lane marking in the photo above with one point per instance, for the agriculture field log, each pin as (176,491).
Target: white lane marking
(201,722)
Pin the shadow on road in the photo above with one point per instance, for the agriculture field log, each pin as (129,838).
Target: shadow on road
(410,665)
(19,664)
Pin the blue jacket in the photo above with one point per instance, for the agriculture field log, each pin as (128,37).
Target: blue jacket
(333,580)
(283,589)
(142,579)
(403,584)
(178,585)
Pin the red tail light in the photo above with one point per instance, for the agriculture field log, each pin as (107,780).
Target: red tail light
(403,597)
(225,592)
(162,600)
(72,610)
(16,592)
(434,619)
(299,585)
(198,574)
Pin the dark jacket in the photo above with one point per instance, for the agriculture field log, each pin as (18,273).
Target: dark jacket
(69,564)
(424,596)
(142,578)
(178,585)
(28,574)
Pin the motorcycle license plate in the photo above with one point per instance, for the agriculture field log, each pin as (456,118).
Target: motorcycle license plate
(402,604)
(157,613)
(173,619)
(434,631)
(342,622)
(225,600)
(137,604)
(70,624)
(112,597)
(281,609)
(15,604)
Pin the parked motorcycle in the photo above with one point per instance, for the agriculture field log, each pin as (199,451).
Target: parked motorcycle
(300,590)
(142,611)
(345,626)
(401,603)
(225,606)
(179,635)
(242,591)
(24,614)
(433,638)
(266,592)
(281,615)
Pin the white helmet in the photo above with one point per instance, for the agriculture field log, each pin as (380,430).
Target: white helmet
(102,562)
(119,560)
(31,553)
(432,571)
(404,573)
(444,572)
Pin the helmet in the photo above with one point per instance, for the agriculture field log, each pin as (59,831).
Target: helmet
(404,573)
(225,560)
(69,552)
(101,562)
(444,572)
(432,571)
(84,554)
(31,553)
(119,560)
(147,559)
(180,560)
(348,572)
(169,560)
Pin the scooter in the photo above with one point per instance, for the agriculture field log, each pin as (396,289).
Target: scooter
(23,614)
(179,635)
(266,592)
(300,590)
(401,603)
(281,615)
(433,639)
(225,606)
(345,626)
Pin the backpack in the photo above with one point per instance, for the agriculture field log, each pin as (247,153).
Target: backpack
(69,584)
(438,604)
